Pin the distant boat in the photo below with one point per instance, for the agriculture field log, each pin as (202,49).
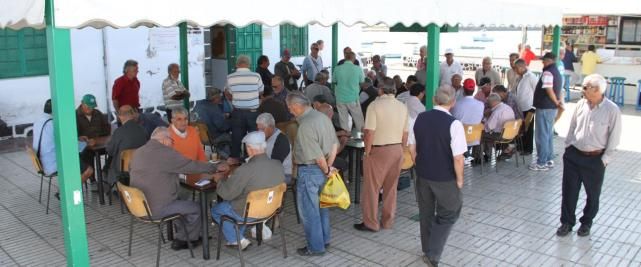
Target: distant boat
(471,47)
(483,38)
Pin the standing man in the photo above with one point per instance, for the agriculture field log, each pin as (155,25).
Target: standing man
(173,90)
(450,67)
(265,75)
(385,136)
(512,75)
(346,50)
(546,101)
(440,144)
(244,88)
(589,60)
(524,98)
(486,70)
(285,69)
(568,63)
(312,65)
(126,87)
(314,153)
(348,78)
(595,130)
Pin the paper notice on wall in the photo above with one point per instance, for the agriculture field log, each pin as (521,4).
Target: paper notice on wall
(162,39)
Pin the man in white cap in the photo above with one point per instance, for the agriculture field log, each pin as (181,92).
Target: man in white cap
(258,173)
(450,67)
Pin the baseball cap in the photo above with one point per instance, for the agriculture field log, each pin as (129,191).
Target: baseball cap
(484,81)
(449,51)
(548,55)
(89,100)
(254,138)
(469,84)
(286,53)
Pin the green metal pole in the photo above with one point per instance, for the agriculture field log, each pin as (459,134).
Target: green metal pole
(432,65)
(334,50)
(556,40)
(184,60)
(66,138)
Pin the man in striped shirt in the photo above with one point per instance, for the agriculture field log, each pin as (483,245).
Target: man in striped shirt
(244,88)
(173,91)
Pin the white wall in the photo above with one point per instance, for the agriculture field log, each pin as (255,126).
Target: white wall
(153,48)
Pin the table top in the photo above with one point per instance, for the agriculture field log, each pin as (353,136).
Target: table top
(211,187)
(101,143)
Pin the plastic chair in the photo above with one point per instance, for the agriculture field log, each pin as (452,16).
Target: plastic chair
(125,159)
(139,209)
(616,90)
(566,87)
(473,135)
(262,205)
(509,135)
(38,166)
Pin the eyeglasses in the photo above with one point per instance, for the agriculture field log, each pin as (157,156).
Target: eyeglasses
(586,87)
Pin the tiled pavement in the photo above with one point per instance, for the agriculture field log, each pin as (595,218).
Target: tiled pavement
(509,219)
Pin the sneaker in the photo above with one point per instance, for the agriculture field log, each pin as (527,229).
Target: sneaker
(550,164)
(244,243)
(584,230)
(564,230)
(537,167)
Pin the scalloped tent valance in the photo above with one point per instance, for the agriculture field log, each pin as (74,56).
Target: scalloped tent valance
(164,13)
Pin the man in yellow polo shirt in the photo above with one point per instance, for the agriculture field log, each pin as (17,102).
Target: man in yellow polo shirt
(589,59)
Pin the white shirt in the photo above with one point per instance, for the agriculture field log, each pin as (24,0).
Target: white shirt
(414,106)
(525,91)
(468,110)
(403,97)
(457,135)
(411,140)
(447,71)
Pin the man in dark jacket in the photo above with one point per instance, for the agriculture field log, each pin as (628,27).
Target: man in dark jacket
(128,136)
(286,70)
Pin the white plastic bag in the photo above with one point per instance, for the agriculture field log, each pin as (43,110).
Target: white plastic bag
(267,233)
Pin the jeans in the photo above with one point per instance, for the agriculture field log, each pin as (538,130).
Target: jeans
(543,134)
(225,208)
(242,122)
(311,181)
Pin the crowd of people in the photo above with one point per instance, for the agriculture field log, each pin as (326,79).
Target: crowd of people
(283,132)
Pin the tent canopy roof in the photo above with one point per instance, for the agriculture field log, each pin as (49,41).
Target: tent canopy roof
(165,13)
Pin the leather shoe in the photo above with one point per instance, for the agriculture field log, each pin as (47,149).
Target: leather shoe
(429,262)
(584,230)
(179,244)
(362,227)
(305,252)
(563,230)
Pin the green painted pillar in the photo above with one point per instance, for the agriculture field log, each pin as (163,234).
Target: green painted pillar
(334,50)
(432,65)
(556,40)
(66,138)
(184,60)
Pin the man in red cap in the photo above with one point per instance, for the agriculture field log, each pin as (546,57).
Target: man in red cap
(468,110)
(286,70)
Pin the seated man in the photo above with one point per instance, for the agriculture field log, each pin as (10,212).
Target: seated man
(186,138)
(319,87)
(129,135)
(259,172)
(278,147)
(45,146)
(468,110)
(273,106)
(509,99)
(154,170)
(149,121)
(368,94)
(485,88)
(91,124)
(210,112)
(500,113)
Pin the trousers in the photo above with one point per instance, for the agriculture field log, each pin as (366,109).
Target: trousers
(580,169)
(191,212)
(381,169)
(353,109)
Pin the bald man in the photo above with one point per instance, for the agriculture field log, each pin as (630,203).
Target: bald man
(129,135)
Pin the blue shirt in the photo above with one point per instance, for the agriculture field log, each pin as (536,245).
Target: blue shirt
(44,126)
(213,116)
(311,67)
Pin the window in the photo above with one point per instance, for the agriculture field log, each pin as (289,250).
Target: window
(630,31)
(293,38)
(23,53)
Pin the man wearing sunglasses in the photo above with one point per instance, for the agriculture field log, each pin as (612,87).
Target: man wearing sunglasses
(312,65)
(595,131)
